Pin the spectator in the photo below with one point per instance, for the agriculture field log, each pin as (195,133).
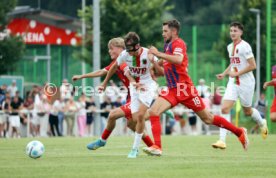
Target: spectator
(216,102)
(14,118)
(90,107)
(66,90)
(70,110)
(12,88)
(192,121)
(81,115)
(53,118)
(43,116)
(5,107)
(203,89)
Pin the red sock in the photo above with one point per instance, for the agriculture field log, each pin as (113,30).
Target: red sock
(223,123)
(156,129)
(106,134)
(147,141)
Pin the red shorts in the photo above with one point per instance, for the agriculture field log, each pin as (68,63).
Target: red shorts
(273,106)
(127,111)
(186,95)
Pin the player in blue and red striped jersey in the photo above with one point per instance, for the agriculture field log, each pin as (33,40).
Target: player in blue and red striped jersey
(181,89)
(115,46)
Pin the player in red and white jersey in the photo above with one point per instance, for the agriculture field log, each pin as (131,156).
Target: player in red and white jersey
(180,89)
(142,87)
(272,83)
(115,46)
(241,82)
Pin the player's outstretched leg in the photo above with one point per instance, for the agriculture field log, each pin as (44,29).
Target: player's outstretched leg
(219,121)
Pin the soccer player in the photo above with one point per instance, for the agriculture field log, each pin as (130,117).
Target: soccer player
(241,82)
(180,89)
(142,89)
(115,46)
(272,83)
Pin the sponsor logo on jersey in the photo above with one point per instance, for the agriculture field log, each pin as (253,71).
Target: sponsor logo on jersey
(235,60)
(138,71)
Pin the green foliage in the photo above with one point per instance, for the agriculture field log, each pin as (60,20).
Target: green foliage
(204,12)
(6,6)
(121,16)
(11,50)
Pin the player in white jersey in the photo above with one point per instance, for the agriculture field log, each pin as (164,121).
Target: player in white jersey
(142,86)
(241,82)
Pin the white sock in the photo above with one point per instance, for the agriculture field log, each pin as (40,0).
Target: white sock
(257,117)
(223,132)
(137,140)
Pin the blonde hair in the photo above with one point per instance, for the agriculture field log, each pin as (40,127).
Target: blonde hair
(118,42)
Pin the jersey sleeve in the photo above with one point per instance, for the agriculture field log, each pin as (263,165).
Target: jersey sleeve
(107,68)
(123,66)
(121,58)
(178,48)
(248,52)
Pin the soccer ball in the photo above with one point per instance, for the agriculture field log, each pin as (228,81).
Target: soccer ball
(35,149)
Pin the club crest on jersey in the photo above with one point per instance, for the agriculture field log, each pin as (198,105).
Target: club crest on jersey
(144,61)
(237,51)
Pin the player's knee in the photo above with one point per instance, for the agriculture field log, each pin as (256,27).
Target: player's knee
(131,124)
(207,118)
(140,116)
(153,112)
(112,115)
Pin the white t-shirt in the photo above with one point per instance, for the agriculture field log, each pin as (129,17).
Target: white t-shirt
(239,54)
(138,66)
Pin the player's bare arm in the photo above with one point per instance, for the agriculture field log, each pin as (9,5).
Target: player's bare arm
(222,75)
(174,59)
(250,67)
(110,73)
(98,73)
(157,65)
(269,83)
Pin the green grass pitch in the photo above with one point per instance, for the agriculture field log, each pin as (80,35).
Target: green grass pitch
(183,156)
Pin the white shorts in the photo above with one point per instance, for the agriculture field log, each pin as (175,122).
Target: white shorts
(3,118)
(146,97)
(14,121)
(243,92)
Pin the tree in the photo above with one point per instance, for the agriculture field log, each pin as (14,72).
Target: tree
(204,12)
(11,48)
(121,16)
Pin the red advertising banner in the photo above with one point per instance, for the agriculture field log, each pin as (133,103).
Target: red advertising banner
(34,32)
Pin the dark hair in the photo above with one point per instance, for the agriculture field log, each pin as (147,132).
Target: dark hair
(132,38)
(173,24)
(237,24)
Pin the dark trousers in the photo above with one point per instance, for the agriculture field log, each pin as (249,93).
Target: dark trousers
(53,120)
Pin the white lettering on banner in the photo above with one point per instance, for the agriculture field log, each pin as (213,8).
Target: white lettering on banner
(33,37)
